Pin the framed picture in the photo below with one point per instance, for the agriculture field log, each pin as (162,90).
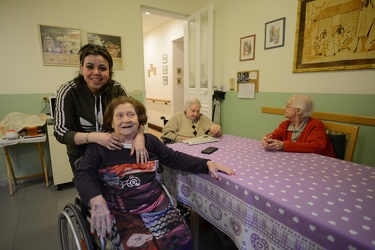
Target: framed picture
(112,43)
(165,80)
(59,45)
(247,48)
(164,58)
(179,81)
(274,34)
(165,69)
(179,71)
(334,36)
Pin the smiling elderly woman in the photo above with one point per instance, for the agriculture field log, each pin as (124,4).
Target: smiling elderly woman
(300,133)
(125,197)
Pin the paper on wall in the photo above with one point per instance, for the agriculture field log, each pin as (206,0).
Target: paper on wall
(246,90)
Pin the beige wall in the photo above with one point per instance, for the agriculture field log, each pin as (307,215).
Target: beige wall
(23,71)
(235,19)
(21,66)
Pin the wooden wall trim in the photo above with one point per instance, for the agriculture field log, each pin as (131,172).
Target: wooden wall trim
(362,120)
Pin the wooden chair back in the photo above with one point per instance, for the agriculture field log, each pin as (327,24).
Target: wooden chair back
(351,133)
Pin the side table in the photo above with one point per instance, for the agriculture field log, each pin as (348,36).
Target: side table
(39,140)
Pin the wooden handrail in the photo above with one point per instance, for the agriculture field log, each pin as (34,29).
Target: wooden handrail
(362,120)
(158,100)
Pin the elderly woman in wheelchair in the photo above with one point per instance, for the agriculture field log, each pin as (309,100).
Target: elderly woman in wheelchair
(128,204)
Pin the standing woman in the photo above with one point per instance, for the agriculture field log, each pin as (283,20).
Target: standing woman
(81,102)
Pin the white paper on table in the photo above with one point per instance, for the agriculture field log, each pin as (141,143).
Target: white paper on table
(246,90)
(253,75)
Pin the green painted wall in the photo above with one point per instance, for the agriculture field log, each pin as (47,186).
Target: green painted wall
(243,117)
(28,162)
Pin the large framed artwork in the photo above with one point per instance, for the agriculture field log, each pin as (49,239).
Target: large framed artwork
(112,43)
(334,35)
(59,45)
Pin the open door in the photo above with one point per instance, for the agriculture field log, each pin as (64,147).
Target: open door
(198,61)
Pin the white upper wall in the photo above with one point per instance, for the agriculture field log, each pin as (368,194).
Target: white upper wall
(157,43)
(22,69)
(240,18)
(21,65)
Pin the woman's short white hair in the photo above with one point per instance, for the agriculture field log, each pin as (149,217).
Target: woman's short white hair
(304,103)
(190,101)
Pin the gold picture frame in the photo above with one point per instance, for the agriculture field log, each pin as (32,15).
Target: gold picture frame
(332,35)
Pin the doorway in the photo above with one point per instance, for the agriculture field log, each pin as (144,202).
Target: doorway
(164,64)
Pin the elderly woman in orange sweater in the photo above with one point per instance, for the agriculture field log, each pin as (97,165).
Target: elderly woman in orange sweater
(300,133)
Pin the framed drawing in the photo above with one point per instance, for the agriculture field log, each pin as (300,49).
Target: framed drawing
(164,58)
(165,80)
(165,69)
(334,35)
(274,34)
(112,43)
(247,48)
(59,45)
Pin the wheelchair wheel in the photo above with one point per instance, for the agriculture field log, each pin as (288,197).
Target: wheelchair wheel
(73,230)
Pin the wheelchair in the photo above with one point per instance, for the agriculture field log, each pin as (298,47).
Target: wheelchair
(74,223)
(74,228)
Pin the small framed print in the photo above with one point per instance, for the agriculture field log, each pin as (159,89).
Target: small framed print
(247,48)
(179,81)
(165,80)
(274,34)
(111,43)
(179,71)
(165,69)
(164,58)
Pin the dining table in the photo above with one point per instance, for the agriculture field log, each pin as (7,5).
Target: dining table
(279,200)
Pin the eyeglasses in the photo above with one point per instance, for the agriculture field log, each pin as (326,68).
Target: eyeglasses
(288,105)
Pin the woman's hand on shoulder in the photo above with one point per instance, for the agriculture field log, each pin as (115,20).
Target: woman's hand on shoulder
(108,140)
(139,146)
(214,167)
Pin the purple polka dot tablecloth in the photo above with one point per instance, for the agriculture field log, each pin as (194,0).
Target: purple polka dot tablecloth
(279,200)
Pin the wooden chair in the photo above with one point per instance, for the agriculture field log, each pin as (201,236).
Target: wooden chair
(350,133)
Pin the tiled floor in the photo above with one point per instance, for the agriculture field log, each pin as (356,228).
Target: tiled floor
(29,218)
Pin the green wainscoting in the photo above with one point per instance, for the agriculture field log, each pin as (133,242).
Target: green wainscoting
(28,162)
(243,117)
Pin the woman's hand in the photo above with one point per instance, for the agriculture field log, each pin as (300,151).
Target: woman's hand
(214,167)
(108,140)
(100,216)
(215,130)
(272,144)
(139,146)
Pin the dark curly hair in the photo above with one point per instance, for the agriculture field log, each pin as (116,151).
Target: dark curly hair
(140,109)
(92,49)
